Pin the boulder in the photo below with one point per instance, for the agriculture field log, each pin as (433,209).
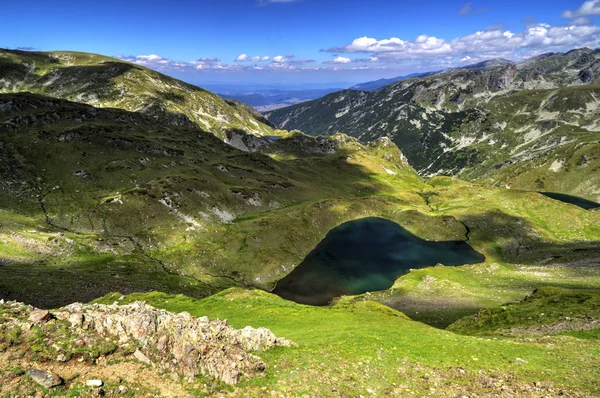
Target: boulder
(39,316)
(45,378)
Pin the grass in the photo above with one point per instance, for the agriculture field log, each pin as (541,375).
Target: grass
(546,306)
(366,348)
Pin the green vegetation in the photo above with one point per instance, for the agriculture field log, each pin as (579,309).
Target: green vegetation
(365,348)
(547,310)
(531,126)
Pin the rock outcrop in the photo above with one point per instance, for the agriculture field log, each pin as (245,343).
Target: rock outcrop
(180,343)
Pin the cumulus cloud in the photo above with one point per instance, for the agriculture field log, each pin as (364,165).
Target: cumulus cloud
(587,9)
(493,41)
(339,60)
(246,58)
(279,59)
(241,63)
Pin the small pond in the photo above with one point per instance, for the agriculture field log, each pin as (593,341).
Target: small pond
(366,255)
(574,200)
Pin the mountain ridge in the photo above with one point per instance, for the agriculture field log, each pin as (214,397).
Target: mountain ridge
(108,82)
(479,124)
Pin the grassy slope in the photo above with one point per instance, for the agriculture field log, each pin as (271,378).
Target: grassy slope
(547,310)
(114,182)
(367,349)
(111,83)
(163,187)
(456,124)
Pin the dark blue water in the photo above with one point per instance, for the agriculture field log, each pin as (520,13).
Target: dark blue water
(366,255)
(273,137)
(574,200)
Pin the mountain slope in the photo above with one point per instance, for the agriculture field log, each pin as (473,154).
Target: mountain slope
(506,125)
(110,83)
(86,190)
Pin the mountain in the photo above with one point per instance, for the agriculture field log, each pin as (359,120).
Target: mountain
(532,125)
(152,205)
(377,84)
(110,83)
(163,222)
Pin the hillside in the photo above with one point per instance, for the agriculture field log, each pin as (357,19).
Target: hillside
(546,311)
(530,125)
(392,356)
(88,190)
(111,83)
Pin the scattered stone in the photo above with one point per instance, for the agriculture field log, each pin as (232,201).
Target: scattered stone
(123,390)
(39,316)
(61,358)
(76,319)
(44,378)
(141,357)
(94,383)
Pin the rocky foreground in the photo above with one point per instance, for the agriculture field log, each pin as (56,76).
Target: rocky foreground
(173,343)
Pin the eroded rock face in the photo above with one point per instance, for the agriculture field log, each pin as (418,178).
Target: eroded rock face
(179,342)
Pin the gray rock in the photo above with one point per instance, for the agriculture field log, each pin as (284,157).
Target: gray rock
(76,319)
(141,357)
(94,383)
(44,378)
(39,316)
(181,343)
(585,75)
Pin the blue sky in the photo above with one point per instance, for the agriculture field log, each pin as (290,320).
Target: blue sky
(301,41)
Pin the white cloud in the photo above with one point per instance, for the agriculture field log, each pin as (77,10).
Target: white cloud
(265,58)
(587,9)
(279,59)
(242,58)
(341,60)
(255,59)
(490,42)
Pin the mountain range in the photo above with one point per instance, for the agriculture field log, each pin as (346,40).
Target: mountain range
(148,196)
(529,125)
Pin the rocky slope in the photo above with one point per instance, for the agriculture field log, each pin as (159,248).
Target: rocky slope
(110,83)
(531,125)
(178,344)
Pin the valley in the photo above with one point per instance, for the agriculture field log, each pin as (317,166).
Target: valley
(429,223)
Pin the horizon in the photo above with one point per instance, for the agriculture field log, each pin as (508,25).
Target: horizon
(321,45)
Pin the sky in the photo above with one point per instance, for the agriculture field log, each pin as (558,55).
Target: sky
(300,42)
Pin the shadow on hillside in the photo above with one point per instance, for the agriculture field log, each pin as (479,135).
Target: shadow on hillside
(145,161)
(518,242)
(86,79)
